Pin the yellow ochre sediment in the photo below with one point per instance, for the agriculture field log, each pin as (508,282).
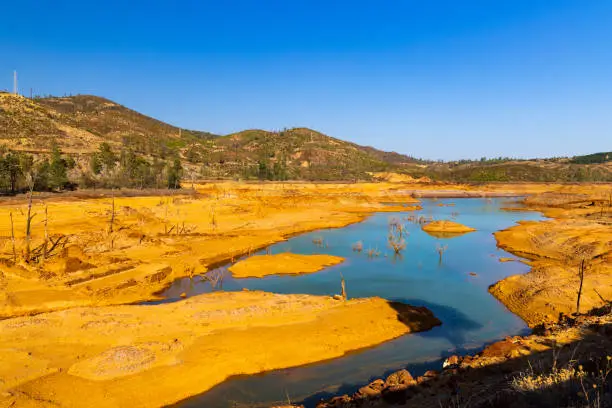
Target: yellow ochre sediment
(149,356)
(282,264)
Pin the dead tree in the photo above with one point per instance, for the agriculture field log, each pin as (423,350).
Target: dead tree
(343,287)
(46,241)
(112,217)
(13,238)
(440,249)
(29,217)
(581,258)
(581,269)
(166,218)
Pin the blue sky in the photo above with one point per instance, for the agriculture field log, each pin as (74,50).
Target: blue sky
(434,79)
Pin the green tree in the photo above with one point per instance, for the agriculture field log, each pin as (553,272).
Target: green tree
(12,170)
(58,177)
(40,175)
(262,172)
(95,164)
(128,166)
(279,170)
(157,170)
(174,173)
(106,156)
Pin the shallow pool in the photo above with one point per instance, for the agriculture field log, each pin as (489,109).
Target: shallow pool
(455,289)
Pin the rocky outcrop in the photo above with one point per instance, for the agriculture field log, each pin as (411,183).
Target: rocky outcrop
(484,379)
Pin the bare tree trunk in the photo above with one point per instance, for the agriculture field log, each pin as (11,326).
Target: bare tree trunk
(13,238)
(112,219)
(46,234)
(343,285)
(166,219)
(29,224)
(581,276)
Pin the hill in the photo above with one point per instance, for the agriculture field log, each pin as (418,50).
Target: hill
(80,124)
(603,157)
(298,153)
(86,127)
(543,170)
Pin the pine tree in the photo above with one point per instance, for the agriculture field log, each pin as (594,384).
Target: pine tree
(174,172)
(58,177)
(95,164)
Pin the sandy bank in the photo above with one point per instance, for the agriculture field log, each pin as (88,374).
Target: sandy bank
(142,356)
(551,286)
(157,239)
(556,247)
(282,264)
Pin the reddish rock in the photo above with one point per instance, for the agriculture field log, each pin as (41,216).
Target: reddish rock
(401,377)
(501,349)
(430,374)
(452,361)
(371,390)
(336,402)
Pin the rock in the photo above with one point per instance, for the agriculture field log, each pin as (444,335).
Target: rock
(401,377)
(473,274)
(338,297)
(430,374)
(504,349)
(371,390)
(452,361)
(183,295)
(335,402)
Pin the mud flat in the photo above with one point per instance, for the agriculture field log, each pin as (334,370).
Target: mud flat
(282,264)
(145,356)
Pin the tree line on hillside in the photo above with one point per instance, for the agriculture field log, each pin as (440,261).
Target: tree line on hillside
(105,168)
(594,158)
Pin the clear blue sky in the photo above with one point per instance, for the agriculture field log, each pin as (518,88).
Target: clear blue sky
(435,79)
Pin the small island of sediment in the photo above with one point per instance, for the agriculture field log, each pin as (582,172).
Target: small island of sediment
(446,229)
(282,264)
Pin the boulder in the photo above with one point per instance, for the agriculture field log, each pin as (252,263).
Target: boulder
(402,377)
(450,362)
(371,390)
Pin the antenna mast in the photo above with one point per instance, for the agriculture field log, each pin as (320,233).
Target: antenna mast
(15,89)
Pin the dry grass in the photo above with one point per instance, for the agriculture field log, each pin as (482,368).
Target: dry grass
(570,383)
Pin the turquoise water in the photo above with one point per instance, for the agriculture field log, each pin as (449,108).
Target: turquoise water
(471,317)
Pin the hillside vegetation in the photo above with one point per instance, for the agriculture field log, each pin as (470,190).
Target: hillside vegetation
(91,141)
